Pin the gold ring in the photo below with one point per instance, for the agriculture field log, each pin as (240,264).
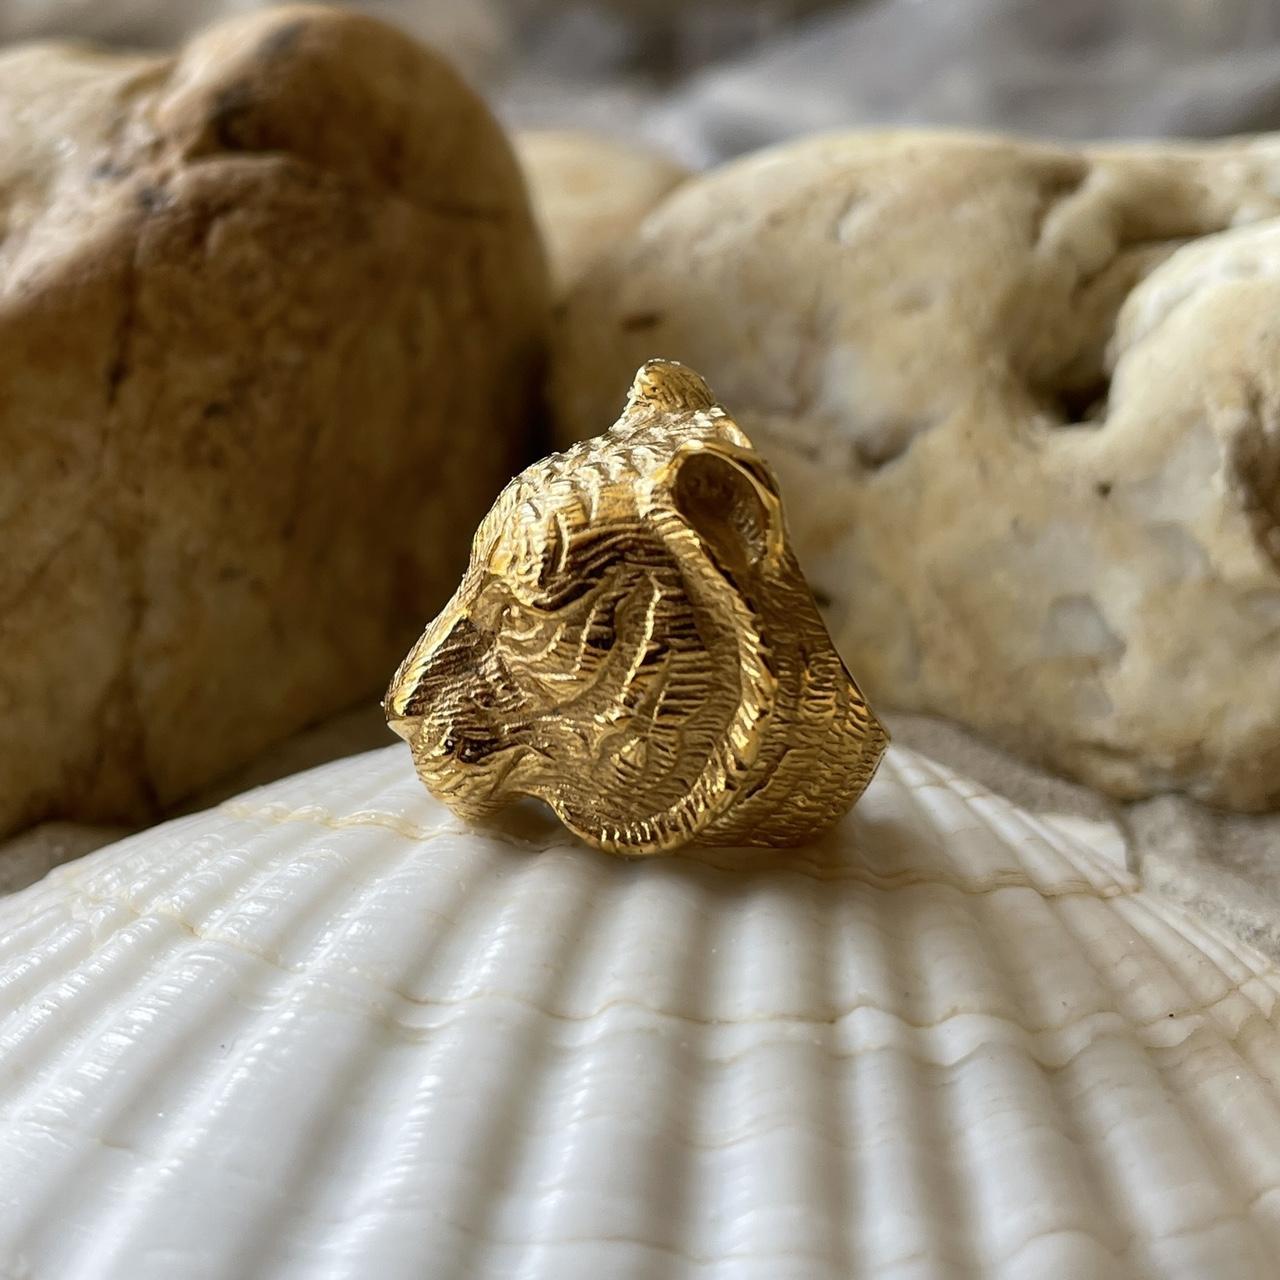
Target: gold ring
(634,644)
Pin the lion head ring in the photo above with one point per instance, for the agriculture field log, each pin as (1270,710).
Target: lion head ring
(634,644)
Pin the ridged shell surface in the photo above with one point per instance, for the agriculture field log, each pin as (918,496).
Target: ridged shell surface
(326,1031)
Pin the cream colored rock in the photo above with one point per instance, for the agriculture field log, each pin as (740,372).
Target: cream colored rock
(270,316)
(1026,406)
(588,192)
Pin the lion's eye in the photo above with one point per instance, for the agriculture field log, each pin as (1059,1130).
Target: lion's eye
(449,745)
(469,752)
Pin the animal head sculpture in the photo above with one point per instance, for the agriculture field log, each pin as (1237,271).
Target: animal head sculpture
(634,644)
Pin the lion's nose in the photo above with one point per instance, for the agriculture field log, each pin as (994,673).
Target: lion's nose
(401,725)
(441,657)
(395,706)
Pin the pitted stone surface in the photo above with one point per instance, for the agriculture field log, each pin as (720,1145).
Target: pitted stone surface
(1025,404)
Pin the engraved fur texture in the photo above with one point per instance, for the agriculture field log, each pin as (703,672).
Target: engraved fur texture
(634,644)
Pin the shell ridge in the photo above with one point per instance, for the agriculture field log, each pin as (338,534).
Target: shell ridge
(60,1177)
(711,857)
(190,931)
(976,1055)
(210,929)
(1162,1060)
(266,999)
(834,1113)
(1072,1076)
(1201,935)
(932,1217)
(1175,1000)
(527,1072)
(1098,1112)
(310,1170)
(1240,1139)
(998,815)
(164,905)
(1017,867)
(668,1157)
(1235,988)
(1241,977)
(28,1027)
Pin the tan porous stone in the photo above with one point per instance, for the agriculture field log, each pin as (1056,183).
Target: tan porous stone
(271,314)
(1025,403)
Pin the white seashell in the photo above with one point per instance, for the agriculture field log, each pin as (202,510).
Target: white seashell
(325,1031)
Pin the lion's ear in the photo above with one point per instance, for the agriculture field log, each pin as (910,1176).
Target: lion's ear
(729,497)
(669,387)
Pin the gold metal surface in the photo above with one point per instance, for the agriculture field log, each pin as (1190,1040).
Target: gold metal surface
(634,644)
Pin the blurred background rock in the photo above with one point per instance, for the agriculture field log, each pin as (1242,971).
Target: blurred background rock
(712,79)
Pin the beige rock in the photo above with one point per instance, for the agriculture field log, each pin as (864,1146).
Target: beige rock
(271,314)
(473,35)
(1025,402)
(588,192)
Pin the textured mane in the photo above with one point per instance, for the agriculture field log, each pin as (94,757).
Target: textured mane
(634,644)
